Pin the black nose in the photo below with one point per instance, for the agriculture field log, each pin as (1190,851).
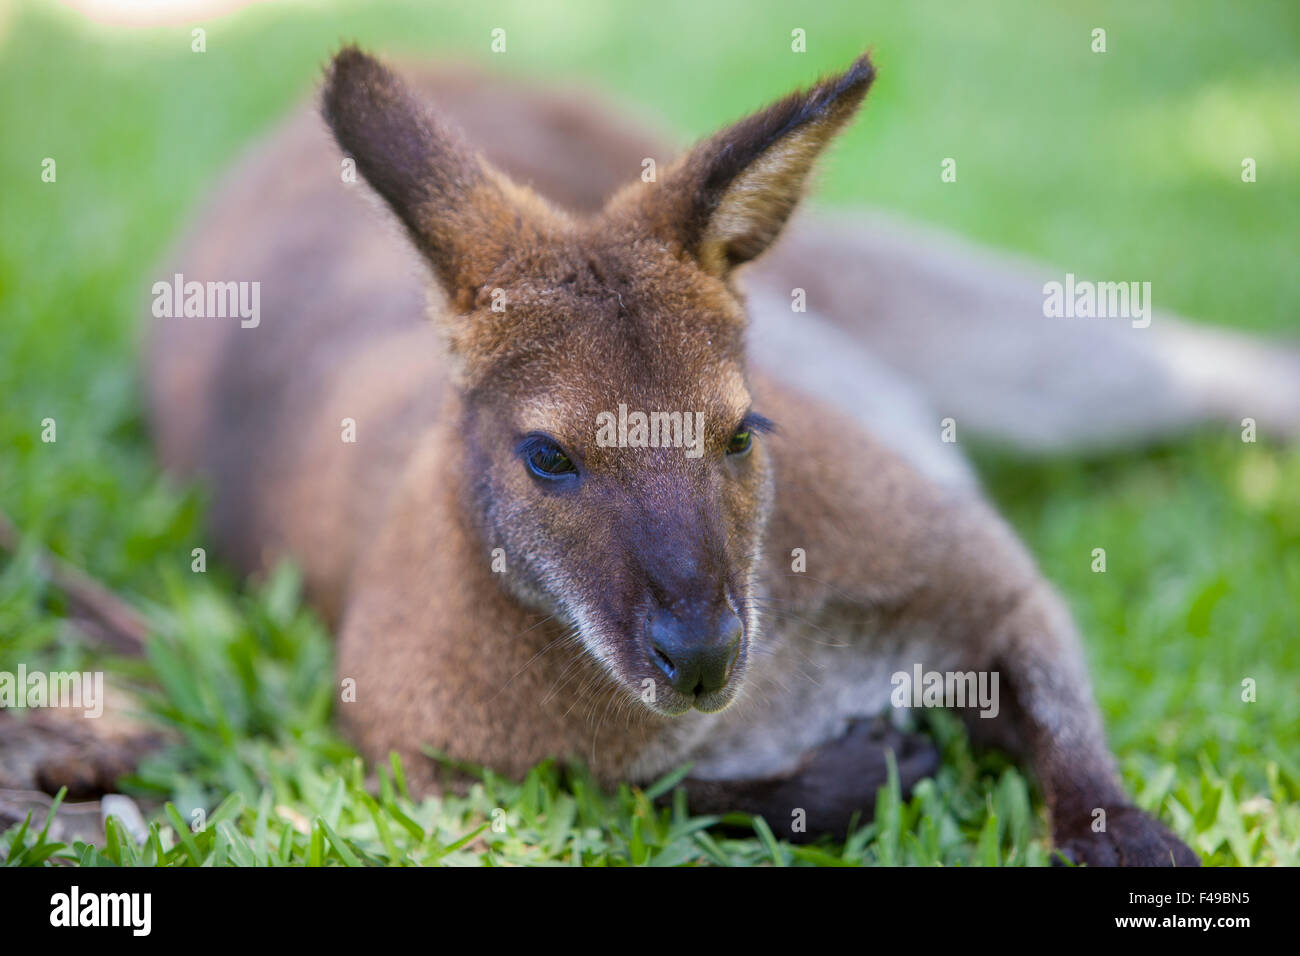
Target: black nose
(695,659)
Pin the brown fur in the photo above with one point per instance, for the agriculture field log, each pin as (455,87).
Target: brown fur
(630,301)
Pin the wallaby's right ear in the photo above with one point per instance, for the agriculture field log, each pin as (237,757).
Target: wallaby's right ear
(459,211)
(726,200)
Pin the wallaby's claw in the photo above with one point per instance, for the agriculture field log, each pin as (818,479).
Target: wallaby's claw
(1130,838)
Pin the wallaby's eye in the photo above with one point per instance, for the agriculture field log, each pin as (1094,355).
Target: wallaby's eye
(743,440)
(740,442)
(546,459)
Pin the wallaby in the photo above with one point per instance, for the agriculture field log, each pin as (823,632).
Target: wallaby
(511,583)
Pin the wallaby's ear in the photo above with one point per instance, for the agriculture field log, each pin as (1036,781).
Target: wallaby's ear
(458,209)
(727,199)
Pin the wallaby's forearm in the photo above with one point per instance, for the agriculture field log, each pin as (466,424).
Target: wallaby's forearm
(1049,706)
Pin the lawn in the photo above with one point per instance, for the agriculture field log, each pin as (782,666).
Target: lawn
(1122,164)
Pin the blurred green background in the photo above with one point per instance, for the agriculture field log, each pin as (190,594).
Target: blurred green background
(1126,163)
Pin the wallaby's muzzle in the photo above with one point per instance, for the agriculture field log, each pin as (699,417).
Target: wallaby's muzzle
(692,555)
(696,653)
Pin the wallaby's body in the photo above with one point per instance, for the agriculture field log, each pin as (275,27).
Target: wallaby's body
(637,567)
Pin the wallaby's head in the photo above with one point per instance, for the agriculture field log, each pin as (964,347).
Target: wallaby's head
(611,445)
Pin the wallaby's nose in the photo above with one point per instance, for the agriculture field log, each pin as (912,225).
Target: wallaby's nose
(695,661)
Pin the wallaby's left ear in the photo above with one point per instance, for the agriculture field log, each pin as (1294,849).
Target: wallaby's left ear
(726,200)
(463,215)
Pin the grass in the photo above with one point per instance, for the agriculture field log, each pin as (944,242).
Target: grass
(1124,164)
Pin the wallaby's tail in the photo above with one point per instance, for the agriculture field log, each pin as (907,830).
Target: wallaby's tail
(967,327)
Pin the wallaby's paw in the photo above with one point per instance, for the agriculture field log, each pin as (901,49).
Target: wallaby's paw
(48,750)
(834,783)
(1130,838)
(859,756)
(841,777)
